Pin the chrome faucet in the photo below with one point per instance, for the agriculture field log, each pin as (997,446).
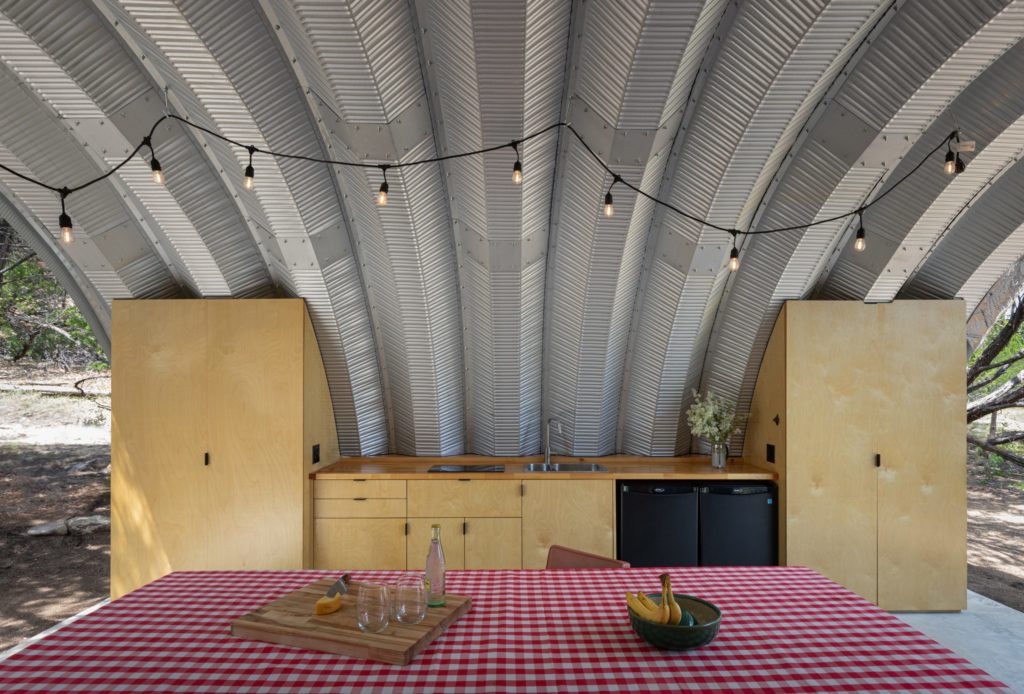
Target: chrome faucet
(547,438)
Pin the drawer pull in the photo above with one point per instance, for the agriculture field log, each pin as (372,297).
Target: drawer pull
(465,527)
(465,479)
(359,498)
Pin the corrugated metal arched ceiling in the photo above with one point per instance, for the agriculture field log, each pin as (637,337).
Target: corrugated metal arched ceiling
(466,312)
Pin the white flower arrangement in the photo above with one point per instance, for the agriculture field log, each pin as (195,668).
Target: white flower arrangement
(713,418)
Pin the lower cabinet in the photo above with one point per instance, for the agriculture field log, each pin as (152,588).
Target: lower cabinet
(469,543)
(359,543)
(573,513)
(485,524)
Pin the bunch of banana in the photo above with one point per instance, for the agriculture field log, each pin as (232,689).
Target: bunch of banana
(665,612)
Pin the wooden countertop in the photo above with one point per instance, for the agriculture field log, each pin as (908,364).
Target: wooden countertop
(621,467)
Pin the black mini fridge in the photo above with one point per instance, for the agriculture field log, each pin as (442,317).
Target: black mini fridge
(698,524)
(658,523)
(738,524)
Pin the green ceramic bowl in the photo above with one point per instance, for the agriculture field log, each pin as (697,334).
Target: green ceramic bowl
(679,637)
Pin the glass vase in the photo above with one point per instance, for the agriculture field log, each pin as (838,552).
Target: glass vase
(719,451)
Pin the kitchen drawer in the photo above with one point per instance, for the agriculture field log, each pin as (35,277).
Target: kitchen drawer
(464,498)
(359,508)
(359,489)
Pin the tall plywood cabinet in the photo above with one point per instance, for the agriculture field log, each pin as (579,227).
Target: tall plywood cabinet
(863,406)
(217,405)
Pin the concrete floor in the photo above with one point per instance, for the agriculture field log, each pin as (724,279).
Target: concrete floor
(987,633)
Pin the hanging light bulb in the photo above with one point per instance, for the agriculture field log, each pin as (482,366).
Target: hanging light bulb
(158,173)
(250,173)
(950,166)
(960,165)
(382,194)
(609,208)
(67,233)
(517,168)
(734,256)
(860,242)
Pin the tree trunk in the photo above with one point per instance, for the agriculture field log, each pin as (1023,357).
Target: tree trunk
(992,430)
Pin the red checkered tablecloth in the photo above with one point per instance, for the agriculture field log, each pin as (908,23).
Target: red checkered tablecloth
(784,629)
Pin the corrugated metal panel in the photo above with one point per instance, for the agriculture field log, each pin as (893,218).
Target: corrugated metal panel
(744,123)
(45,150)
(596,267)
(978,233)
(482,58)
(297,199)
(93,307)
(780,268)
(1006,255)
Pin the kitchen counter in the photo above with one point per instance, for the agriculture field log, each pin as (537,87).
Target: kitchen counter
(621,467)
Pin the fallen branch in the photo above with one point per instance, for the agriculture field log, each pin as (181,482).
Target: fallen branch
(1005,437)
(1005,455)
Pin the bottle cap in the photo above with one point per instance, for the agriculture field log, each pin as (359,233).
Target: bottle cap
(436,525)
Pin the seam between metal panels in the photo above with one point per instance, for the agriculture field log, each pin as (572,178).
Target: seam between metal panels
(273,22)
(572,51)
(804,133)
(423,50)
(200,141)
(712,49)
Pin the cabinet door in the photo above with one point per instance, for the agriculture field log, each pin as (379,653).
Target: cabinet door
(494,543)
(255,382)
(464,499)
(836,396)
(452,541)
(158,482)
(573,513)
(359,543)
(922,515)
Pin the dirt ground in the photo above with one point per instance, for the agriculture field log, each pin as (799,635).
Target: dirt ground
(44,580)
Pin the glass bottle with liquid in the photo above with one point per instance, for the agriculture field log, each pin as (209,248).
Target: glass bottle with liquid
(435,569)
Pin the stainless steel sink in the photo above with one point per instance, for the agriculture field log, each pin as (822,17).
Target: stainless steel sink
(564,467)
(466,468)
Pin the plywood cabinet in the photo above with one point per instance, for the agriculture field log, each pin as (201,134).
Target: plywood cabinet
(574,513)
(465,498)
(216,405)
(864,408)
(469,543)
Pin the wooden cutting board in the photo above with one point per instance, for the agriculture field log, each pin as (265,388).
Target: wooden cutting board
(290,621)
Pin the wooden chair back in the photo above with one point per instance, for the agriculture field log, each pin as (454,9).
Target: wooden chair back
(567,558)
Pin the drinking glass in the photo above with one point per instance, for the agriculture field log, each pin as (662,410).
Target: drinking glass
(410,600)
(373,607)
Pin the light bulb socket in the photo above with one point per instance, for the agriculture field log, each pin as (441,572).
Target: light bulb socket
(734,258)
(959,166)
(517,172)
(65,221)
(158,173)
(382,194)
(250,177)
(860,243)
(609,207)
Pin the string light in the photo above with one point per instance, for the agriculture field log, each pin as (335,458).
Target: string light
(517,168)
(154,165)
(382,194)
(609,207)
(734,256)
(952,157)
(67,231)
(250,173)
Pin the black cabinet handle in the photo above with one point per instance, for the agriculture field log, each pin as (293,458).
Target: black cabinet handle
(406,528)
(206,458)
(878,460)
(465,527)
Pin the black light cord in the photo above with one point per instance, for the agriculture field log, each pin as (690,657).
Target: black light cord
(64,192)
